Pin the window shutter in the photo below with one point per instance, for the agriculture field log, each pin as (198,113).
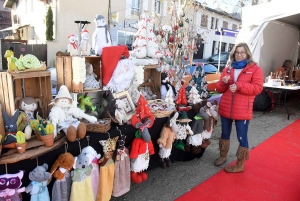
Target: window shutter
(128,9)
(145,5)
(165,7)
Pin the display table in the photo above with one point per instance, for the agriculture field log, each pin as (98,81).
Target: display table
(284,90)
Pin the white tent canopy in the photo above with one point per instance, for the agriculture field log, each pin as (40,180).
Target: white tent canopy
(272,32)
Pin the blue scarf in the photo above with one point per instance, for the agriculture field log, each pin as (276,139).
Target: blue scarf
(239,64)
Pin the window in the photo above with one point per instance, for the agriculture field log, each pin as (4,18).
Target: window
(212,22)
(234,27)
(125,38)
(204,20)
(225,24)
(230,47)
(135,7)
(158,6)
(223,57)
(217,24)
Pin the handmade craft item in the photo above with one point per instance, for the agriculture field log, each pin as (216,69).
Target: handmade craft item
(61,172)
(183,130)
(10,186)
(101,35)
(165,86)
(9,55)
(82,180)
(85,46)
(11,128)
(209,122)
(28,111)
(64,116)
(90,81)
(194,96)
(107,169)
(28,61)
(78,70)
(73,45)
(120,113)
(38,186)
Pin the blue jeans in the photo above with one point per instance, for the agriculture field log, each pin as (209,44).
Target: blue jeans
(241,130)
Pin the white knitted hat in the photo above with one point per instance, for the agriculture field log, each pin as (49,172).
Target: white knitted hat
(63,93)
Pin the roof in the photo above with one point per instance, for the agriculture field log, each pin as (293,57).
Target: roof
(8,3)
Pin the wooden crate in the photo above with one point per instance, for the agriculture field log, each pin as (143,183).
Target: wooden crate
(30,84)
(150,72)
(64,72)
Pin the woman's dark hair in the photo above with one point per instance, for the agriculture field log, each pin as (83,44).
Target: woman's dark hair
(286,63)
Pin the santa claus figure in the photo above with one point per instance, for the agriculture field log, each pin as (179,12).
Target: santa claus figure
(64,116)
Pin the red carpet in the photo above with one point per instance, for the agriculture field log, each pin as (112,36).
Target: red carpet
(271,173)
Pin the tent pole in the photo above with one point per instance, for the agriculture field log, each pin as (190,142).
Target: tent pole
(221,33)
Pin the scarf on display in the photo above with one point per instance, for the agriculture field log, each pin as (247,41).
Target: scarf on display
(239,64)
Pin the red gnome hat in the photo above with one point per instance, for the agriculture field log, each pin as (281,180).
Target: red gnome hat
(142,112)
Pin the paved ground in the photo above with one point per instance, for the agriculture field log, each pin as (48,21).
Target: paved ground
(168,184)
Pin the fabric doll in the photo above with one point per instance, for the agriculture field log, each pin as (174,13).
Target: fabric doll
(91,153)
(183,130)
(64,116)
(85,46)
(61,171)
(107,169)
(90,82)
(101,37)
(167,137)
(28,111)
(82,180)
(38,186)
(141,147)
(165,86)
(122,169)
(11,129)
(73,45)
(10,186)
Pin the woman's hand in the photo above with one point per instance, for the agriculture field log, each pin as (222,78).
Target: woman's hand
(233,88)
(225,79)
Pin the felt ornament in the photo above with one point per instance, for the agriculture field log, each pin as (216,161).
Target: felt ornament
(11,129)
(38,186)
(65,115)
(194,96)
(107,169)
(73,45)
(101,35)
(85,46)
(82,180)
(10,186)
(61,172)
(122,169)
(110,58)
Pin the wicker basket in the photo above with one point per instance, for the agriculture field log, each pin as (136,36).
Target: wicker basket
(99,127)
(160,113)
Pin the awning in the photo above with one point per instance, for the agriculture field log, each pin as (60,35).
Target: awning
(8,3)
(14,27)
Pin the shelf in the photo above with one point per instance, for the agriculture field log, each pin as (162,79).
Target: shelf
(31,74)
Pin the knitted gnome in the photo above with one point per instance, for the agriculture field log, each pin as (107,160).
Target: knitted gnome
(101,36)
(85,46)
(183,130)
(64,116)
(73,45)
(141,146)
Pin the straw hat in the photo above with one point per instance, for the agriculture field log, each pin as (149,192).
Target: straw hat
(184,118)
(63,93)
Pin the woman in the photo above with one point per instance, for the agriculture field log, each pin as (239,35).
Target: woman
(240,82)
(286,66)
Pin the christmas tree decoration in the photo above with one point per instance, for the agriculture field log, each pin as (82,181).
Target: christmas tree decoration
(194,96)
(181,101)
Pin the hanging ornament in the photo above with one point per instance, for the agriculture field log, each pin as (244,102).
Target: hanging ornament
(187,20)
(180,45)
(161,33)
(175,28)
(171,38)
(180,24)
(183,14)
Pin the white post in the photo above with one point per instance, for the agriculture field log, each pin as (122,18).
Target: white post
(220,30)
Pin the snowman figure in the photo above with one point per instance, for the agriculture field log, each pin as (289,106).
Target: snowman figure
(101,36)
(85,46)
(73,45)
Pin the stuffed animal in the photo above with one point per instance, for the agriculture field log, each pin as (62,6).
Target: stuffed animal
(28,111)
(61,171)
(73,45)
(91,82)
(82,180)
(91,153)
(9,55)
(183,130)
(64,116)
(85,46)
(101,36)
(120,113)
(38,186)
(10,186)
(165,86)
(28,61)
(11,129)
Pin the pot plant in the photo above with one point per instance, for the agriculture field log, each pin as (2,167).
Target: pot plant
(45,129)
(34,125)
(21,142)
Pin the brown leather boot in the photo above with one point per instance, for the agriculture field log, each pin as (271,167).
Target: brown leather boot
(224,147)
(71,133)
(242,155)
(81,130)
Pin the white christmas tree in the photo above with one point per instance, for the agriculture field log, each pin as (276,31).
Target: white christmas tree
(194,96)
(145,42)
(169,98)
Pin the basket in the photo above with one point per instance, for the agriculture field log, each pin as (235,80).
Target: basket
(99,127)
(160,113)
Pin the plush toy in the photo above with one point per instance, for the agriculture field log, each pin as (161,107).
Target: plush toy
(167,137)
(64,116)
(90,81)
(73,45)
(28,111)
(85,46)
(120,113)
(141,147)
(9,55)
(183,130)
(38,186)
(28,61)
(101,36)
(165,86)
(91,153)
(10,186)
(107,169)
(61,171)
(82,180)
(11,129)
(122,169)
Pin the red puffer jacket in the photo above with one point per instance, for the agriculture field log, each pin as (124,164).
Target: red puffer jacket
(239,105)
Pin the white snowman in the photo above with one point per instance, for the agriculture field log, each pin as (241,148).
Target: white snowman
(85,46)
(101,36)
(73,45)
